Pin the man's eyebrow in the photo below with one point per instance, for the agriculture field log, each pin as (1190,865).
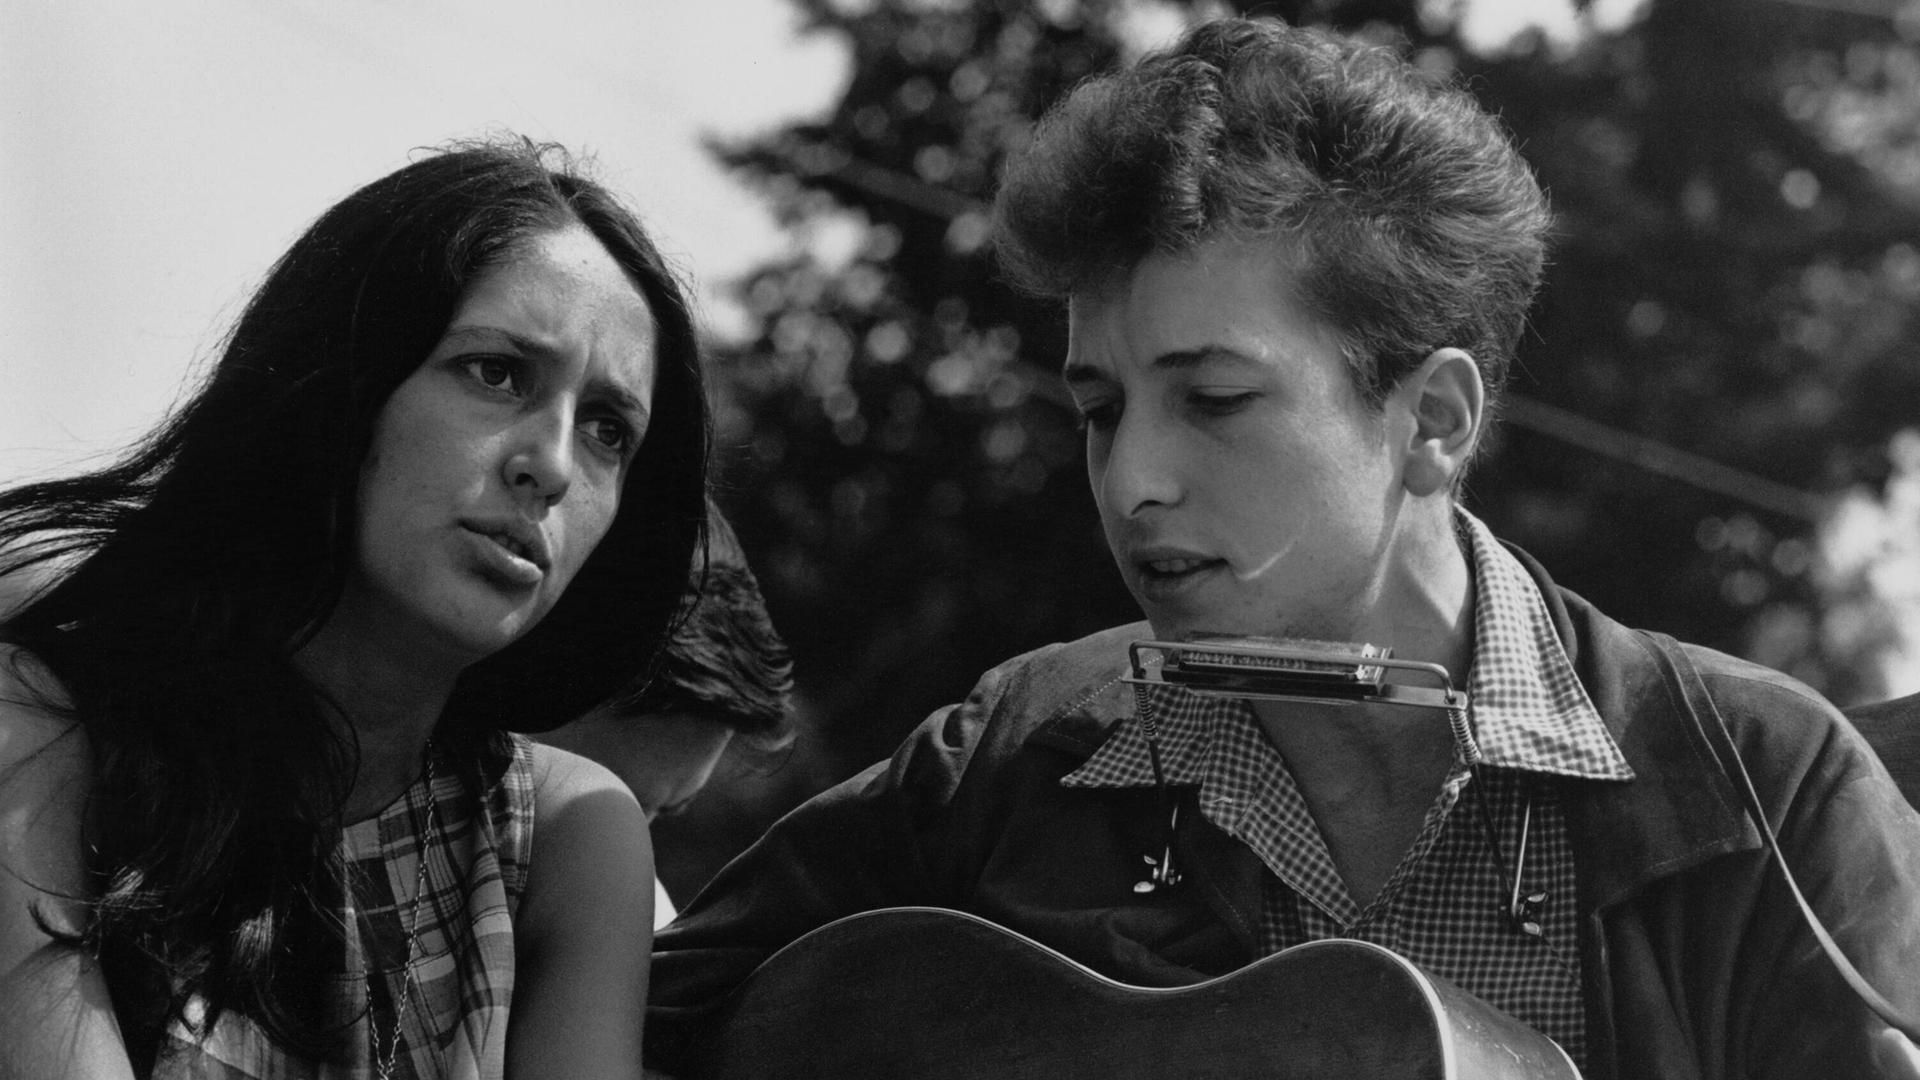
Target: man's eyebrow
(1178,360)
(1205,354)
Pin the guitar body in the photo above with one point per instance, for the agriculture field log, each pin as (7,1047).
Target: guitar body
(930,994)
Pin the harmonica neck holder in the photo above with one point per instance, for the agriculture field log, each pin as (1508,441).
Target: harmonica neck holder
(1267,669)
(1249,669)
(1274,669)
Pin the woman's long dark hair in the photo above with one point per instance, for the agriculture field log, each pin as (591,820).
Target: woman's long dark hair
(183,579)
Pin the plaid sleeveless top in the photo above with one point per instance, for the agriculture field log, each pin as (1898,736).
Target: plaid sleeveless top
(452,989)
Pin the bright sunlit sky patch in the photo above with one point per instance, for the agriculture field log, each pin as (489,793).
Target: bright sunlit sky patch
(1489,24)
(159,156)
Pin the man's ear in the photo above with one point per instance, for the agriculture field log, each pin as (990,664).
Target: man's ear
(1447,402)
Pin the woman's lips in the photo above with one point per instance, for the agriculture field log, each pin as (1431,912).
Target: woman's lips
(500,560)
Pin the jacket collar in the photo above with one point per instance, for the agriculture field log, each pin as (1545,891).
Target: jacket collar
(1680,809)
(1094,710)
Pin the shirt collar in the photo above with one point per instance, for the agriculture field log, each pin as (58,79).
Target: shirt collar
(1528,708)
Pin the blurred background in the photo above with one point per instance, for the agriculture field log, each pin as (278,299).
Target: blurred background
(1714,429)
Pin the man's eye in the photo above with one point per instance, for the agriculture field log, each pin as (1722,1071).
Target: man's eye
(1219,403)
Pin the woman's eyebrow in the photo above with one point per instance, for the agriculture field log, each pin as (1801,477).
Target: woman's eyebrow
(623,399)
(481,334)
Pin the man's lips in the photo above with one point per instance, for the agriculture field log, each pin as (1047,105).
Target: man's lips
(1164,574)
(1173,567)
(1167,560)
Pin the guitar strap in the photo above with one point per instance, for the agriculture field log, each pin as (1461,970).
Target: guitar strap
(1720,742)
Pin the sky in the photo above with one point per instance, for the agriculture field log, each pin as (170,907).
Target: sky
(159,156)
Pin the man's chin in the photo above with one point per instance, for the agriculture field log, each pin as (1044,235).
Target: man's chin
(1190,629)
(1170,629)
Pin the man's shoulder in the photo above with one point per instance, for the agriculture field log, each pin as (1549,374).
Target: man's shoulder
(1898,712)
(1065,663)
(1637,677)
(1772,710)
(1611,649)
(1777,689)
(1067,694)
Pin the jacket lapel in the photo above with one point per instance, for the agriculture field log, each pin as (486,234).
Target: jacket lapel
(1222,870)
(1680,809)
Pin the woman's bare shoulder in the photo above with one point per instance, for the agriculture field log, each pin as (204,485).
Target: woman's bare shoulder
(591,830)
(562,776)
(585,927)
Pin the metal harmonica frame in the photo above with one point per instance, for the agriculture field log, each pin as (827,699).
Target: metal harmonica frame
(1319,675)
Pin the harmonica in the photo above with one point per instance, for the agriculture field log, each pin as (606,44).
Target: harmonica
(1337,672)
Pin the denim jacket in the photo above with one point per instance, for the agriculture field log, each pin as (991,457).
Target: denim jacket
(1697,963)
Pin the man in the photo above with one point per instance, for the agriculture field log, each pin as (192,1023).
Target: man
(726,677)
(1295,271)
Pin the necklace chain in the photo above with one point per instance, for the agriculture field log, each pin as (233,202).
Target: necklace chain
(384,1062)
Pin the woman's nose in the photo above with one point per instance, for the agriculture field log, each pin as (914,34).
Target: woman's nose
(541,463)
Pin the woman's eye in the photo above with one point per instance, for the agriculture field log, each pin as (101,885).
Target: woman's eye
(610,432)
(495,372)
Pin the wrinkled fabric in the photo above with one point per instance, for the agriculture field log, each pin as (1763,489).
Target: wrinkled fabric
(1447,905)
(1695,961)
(458,980)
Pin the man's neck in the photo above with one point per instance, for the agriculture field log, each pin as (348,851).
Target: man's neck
(1422,608)
(1424,604)
(1370,771)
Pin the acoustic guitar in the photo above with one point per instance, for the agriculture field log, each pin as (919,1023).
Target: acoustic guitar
(932,994)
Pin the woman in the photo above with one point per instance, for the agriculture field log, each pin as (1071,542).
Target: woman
(446,476)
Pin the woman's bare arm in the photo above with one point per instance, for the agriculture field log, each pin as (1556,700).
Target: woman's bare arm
(585,928)
(56,1019)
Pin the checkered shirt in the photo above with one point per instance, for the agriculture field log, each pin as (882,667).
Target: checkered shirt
(1445,905)
(454,1025)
